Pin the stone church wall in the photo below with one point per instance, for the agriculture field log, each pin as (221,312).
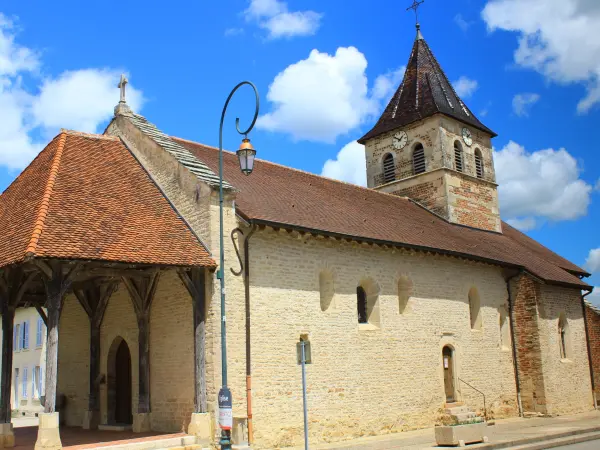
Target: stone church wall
(368,380)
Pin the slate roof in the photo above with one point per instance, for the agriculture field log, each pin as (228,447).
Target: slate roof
(85,197)
(281,196)
(182,155)
(424,91)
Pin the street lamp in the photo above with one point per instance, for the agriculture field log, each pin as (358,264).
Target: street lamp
(246,155)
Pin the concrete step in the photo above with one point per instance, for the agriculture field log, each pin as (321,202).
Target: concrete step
(560,442)
(457,410)
(464,416)
(178,442)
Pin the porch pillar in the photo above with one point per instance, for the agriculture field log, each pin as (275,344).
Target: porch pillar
(13,284)
(94,300)
(195,283)
(142,292)
(57,280)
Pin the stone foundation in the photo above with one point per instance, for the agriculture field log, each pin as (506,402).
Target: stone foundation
(201,426)
(48,434)
(142,422)
(7,436)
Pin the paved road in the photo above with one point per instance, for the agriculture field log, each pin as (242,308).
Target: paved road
(591,445)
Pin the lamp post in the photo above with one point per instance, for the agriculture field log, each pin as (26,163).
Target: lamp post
(245,155)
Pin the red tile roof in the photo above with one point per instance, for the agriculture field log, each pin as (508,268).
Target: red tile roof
(85,197)
(282,196)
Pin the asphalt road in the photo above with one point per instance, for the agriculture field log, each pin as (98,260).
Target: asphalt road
(591,445)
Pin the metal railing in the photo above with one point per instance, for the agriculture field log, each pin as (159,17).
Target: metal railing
(482,394)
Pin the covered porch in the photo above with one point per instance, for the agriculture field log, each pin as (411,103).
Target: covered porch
(117,275)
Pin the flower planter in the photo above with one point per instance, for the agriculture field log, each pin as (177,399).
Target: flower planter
(460,435)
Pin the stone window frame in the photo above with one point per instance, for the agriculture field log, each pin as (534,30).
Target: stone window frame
(418,146)
(475,316)
(405,287)
(326,297)
(564,335)
(372,292)
(385,172)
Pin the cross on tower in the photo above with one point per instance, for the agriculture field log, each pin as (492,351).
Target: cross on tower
(415,7)
(122,83)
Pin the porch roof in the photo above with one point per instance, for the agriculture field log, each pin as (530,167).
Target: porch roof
(86,197)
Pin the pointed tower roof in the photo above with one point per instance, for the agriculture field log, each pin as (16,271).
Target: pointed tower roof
(425,91)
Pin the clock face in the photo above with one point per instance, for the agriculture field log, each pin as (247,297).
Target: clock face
(466,134)
(400,140)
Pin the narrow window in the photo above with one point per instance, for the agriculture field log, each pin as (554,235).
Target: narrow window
(478,163)
(389,171)
(326,289)
(18,328)
(404,293)
(38,381)
(15,338)
(40,333)
(24,392)
(475,309)
(458,158)
(26,335)
(418,159)
(504,330)
(361,298)
(563,329)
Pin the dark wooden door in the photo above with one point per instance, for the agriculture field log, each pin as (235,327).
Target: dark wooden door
(448,362)
(123,385)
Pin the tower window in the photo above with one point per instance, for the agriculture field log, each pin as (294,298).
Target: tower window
(361,297)
(389,171)
(458,157)
(478,163)
(418,159)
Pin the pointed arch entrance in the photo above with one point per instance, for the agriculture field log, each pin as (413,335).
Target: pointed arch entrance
(448,366)
(119,383)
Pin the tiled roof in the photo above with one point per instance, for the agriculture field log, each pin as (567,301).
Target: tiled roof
(85,197)
(424,91)
(180,153)
(282,196)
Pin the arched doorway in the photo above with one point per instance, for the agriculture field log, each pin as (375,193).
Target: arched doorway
(448,364)
(119,383)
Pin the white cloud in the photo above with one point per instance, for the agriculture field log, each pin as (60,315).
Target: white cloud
(557,38)
(80,99)
(543,185)
(523,102)
(592,263)
(229,32)
(274,16)
(462,23)
(350,165)
(325,96)
(594,297)
(465,87)
(526,224)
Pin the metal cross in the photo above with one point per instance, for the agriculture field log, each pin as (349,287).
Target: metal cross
(122,83)
(415,7)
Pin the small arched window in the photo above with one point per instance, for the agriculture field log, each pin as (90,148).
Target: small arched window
(389,171)
(361,307)
(504,330)
(458,156)
(367,298)
(418,159)
(563,336)
(326,289)
(405,288)
(475,309)
(478,163)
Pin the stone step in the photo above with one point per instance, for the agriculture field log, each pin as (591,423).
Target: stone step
(464,416)
(177,442)
(457,410)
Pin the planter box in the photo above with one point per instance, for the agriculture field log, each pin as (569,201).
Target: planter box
(461,434)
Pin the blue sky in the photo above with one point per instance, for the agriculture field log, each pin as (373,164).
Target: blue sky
(530,70)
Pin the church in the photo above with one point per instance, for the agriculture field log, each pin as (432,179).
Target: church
(413,293)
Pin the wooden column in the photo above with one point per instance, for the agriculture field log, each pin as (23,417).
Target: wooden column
(57,280)
(142,292)
(13,284)
(94,300)
(194,280)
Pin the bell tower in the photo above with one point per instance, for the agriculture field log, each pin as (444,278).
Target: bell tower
(429,146)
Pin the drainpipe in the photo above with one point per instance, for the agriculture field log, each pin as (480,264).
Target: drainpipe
(248,346)
(589,349)
(513,342)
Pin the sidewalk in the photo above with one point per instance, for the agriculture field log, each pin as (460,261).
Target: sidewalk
(505,431)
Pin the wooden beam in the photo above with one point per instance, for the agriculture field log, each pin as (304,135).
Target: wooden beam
(142,294)
(195,283)
(44,267)
(42,314)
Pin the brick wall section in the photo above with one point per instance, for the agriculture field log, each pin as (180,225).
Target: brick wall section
(593,321)
(473,202)
(525,293)
(367,382)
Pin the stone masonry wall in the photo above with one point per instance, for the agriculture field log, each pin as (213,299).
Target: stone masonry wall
(73,379)
(593,321)
(368,380)
(564,397)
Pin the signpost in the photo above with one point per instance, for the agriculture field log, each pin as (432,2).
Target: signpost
(304,357)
